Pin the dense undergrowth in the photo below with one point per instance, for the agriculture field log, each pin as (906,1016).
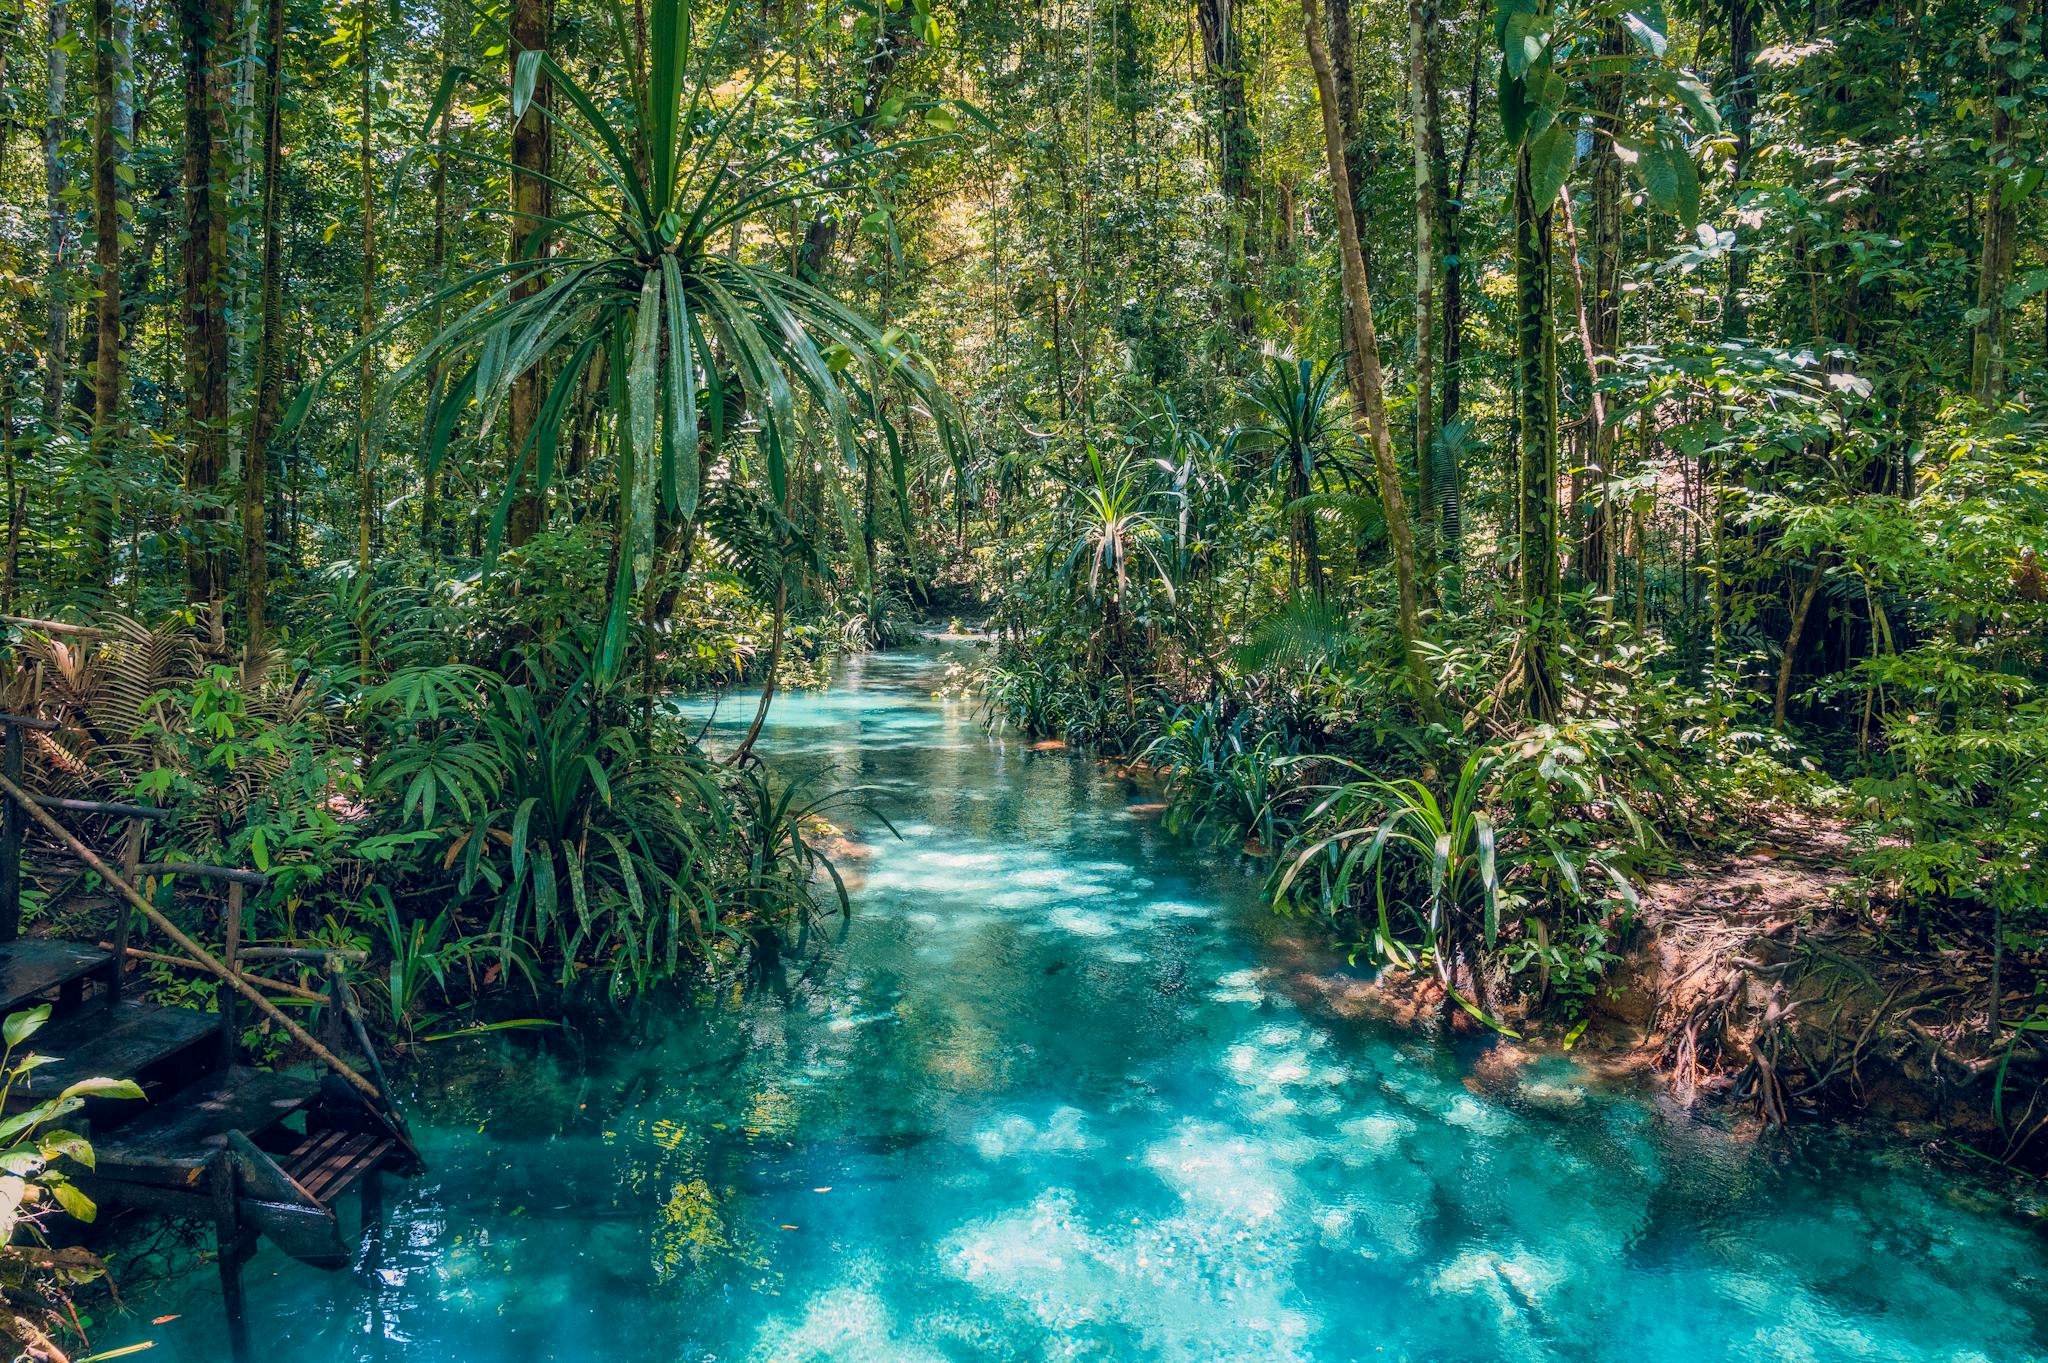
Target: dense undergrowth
(477,809)
(1503,855)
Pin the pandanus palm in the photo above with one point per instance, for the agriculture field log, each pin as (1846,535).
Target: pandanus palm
(1295,429)
(1114,533)
(678,334)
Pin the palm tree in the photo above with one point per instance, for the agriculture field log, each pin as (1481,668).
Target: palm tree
(680,334)
(1113,533)
(1295,429)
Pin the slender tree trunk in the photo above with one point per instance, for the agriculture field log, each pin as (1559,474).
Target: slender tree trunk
(430,472)
(1362,364)
(204,256)
(533,158)
(746,746)
(1536,439)
(10,569)
(1793,636)
(1742,45)
(1601,307)
(1422,116)
(366,319)
(57,344)
(2001,222)
(269,379)
(1451,196)
(107,151)
(1234,151)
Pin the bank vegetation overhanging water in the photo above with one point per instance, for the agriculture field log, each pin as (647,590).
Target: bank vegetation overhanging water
(1498,460)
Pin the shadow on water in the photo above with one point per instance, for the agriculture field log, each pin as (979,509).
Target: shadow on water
(1052,1091)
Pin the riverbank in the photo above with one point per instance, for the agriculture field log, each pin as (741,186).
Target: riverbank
(1053,1090)
(1752,986)
(1758,978)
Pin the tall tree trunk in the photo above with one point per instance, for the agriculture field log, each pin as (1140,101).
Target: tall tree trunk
(366,319)
(1342,35)
(1362,366)
(1536,439)
(2001,220)
(107,149)
(57,343)
(269,378)
(1800,613)
(430,472)
(1422,113)
(533,157)
(204,27)
(1451,197)
(9,569)
(1602,303)
(1234,152)
(1742,46)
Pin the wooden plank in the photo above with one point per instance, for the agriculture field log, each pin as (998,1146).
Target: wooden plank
(371,1157)
(175,1140)
(126,811)
(258,1175)
(34,968)
(29,721)
(278,1205)
(309,1234)
(197,870)
(315,1147)
(115,1041)
(322,1179)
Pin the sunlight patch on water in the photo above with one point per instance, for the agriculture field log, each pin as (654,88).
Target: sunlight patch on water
(1063,1132)
(1176,1291)
(1047,1095)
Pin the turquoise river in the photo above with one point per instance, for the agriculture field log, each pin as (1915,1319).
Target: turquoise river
(1061,1089)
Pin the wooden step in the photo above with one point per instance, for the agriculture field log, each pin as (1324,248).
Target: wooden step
(33,969)
(174,1141)
(120,1041)
(329,1163)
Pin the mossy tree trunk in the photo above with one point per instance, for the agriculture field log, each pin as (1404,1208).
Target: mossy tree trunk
(1536,443)
(204,26)
(533,158)
(269,376)
(1362,365)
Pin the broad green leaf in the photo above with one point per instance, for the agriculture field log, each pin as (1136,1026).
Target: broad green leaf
(72,1200)
(1550,164)
(102,1088)
(1648,31)
(19,1027)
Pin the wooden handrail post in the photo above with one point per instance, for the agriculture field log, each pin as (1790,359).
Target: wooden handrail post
(10,843)
(131,856)
(230,957)
(191,948)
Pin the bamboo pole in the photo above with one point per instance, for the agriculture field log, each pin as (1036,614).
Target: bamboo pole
(199,954)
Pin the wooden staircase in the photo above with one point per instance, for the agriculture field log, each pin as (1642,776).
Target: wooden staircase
(258,1152)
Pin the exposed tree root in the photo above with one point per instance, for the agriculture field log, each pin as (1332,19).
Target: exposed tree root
(1753,984)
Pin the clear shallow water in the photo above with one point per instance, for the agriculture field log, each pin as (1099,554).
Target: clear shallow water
(1060,1094)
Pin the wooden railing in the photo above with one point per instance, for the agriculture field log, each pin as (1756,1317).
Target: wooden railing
(19,806)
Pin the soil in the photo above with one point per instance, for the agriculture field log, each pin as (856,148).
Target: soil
(1757,983)
(1759,978)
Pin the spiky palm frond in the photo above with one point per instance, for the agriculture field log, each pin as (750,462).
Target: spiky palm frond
(631,276)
